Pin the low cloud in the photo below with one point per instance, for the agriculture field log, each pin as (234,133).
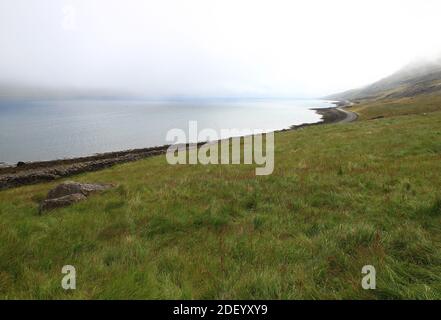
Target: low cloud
(211,48)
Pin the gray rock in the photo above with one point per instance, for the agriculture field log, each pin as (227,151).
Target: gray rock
(70,187)
(69,193)
(61,202)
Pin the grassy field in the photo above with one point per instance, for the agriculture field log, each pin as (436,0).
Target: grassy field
(396,107)
(340,197)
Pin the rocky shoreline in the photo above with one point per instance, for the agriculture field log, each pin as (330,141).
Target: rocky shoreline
(44,171)
(329,115)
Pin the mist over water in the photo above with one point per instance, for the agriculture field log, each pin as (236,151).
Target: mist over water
(251,48)
(47,130)
(107,49)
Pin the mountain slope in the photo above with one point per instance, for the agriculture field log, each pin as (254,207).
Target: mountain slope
(423,77)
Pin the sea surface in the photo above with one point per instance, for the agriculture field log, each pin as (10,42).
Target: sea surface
(48,130)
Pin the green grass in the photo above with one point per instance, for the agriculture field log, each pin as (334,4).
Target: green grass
(340,197)
(370,109)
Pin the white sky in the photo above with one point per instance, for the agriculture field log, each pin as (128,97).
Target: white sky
(214,47)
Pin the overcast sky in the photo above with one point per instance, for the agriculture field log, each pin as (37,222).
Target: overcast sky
(213,47)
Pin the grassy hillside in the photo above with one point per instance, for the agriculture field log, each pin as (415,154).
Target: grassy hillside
(417,78)
(341,197)
(371,109)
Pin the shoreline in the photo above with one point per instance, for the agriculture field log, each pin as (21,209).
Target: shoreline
(45,171)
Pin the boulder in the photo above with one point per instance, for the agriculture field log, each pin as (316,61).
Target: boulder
(69,193)
(50,204)
(69,187)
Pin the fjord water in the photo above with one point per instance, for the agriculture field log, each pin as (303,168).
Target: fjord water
(47,130)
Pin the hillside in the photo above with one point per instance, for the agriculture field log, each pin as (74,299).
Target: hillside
(341,197)
(422,77)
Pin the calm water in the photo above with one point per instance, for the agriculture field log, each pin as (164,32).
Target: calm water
(46,130)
